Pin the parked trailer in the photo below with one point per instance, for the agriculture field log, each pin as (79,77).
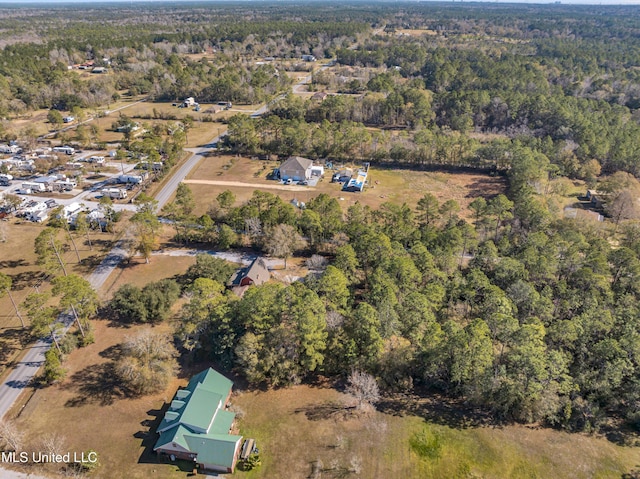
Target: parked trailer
(67,150)
(133,179)
(35,187)
(115,193)
(66,185)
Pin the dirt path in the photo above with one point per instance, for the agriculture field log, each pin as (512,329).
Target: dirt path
(248,185)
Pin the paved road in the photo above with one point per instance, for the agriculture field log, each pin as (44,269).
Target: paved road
(171,186)
(8,474)
(28,367)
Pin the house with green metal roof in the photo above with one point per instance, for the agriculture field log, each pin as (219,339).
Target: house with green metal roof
(196,427)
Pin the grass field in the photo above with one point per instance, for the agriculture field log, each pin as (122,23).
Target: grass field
(303,425)
(397,186)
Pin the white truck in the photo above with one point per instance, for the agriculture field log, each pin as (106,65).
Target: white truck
(115,193)
(130,179)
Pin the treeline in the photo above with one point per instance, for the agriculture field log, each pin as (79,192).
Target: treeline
(531,317)
(577,93)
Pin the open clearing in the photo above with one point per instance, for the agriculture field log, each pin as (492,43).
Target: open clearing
(299,426)
(392,185)
(87,408)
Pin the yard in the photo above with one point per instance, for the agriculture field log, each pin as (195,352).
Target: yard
(393,185)
(303,428)
(87,409)
(299,429)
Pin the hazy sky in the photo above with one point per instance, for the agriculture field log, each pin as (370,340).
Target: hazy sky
(542,2)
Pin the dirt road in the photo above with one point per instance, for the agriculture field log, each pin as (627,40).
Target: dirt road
(276,186)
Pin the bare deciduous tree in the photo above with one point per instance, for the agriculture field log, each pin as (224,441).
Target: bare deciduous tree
(364,388)
(317,262)
(282,241)
(11,435)
(148,362)
(53,443)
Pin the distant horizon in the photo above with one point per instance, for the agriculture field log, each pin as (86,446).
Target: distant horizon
(89,4)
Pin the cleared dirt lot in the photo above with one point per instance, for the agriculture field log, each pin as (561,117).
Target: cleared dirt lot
(394,185)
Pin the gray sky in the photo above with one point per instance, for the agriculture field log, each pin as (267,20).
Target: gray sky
(542,2)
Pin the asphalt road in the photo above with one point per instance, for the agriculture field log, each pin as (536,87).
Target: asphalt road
(164,195)
(24,372)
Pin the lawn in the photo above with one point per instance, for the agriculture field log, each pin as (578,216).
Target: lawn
(393,185)
(303,425)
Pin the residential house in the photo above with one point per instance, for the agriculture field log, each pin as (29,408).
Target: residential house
(297,168)
(580,214)
(39,216)
(197,425)
(319,96)
(256,273)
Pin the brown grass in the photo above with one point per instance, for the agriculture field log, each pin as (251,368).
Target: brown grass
(18,260)
(87,408)
(300,426)
(397,186)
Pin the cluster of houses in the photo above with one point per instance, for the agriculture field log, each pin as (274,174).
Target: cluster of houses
(48,184)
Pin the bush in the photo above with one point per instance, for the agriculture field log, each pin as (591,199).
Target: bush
(147,364)
(427,444)
(208,266)
(53,370)
(69,343)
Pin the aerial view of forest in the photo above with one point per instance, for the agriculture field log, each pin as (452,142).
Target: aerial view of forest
(319,240)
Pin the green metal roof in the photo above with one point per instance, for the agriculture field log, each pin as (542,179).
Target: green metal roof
(217,449)
(222,422)
(202,425)
(174,435)
(211,380)
(199,411)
